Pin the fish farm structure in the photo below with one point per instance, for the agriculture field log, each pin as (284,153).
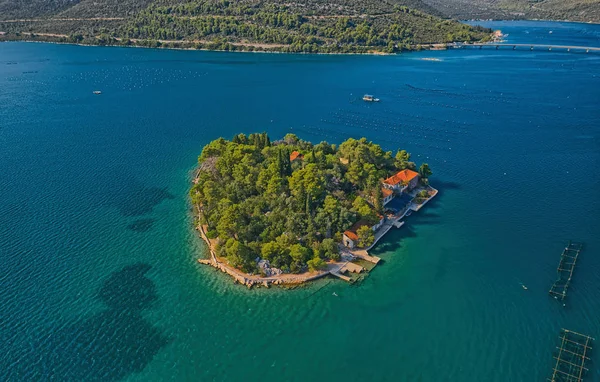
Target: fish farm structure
(565,269)
(573,353)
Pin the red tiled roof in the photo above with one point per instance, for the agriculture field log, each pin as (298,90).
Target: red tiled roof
(386,192)
(403,176)
(351,232)
(296,155)
(351,235)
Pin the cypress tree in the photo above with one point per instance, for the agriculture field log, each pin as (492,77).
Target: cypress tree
(378,199)
(280,163)
(258,141)
(288,163)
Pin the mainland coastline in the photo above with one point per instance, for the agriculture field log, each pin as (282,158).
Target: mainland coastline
(356,28)
(290,255)
(61,39)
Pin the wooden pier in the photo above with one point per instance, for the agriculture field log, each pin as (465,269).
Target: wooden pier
(573,352)
(565,269)
(341,276)
(364,255)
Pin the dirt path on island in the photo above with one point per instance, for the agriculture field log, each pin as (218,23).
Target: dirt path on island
(360,16)
(44,34)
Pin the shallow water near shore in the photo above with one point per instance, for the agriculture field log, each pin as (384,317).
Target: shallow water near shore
(99,278)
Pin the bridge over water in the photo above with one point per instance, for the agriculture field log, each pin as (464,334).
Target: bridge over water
(531,47)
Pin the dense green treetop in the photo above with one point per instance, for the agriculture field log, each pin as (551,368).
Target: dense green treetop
(347,26)
(259,203)
(342,26)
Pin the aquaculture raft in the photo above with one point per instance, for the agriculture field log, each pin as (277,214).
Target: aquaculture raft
(573,352)
(565,269)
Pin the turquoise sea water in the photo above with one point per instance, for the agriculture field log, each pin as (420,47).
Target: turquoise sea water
(99,277)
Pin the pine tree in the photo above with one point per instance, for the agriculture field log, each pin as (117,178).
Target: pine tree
(425,171)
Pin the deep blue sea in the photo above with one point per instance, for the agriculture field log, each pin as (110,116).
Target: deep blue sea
(99,279)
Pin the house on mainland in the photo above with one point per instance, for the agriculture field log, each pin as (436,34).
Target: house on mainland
(350,236)
(402,180)
(295,155)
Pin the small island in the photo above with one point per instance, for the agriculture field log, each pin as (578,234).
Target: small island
(289,211)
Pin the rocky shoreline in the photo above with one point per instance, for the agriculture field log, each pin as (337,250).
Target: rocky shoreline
(253,280)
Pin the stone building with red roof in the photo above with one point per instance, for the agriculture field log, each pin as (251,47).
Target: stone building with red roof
(350,236)
(295,155)
(402,180)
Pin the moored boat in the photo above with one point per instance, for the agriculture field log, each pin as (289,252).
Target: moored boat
(370,98)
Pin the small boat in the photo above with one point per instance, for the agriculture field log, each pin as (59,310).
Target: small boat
(370,98)
(409,213)
(335,294)
(524,287)
(97,92)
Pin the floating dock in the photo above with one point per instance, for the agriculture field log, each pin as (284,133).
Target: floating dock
(565,269)
(573,352)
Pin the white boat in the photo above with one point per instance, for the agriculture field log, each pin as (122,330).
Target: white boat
(524,287)
(370,98)
(97,92)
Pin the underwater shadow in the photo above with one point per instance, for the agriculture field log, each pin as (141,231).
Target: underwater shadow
(108,346)
(441,266)
(393,240)
(121,189)
(425,217)
(142,200)
(141,225)
(443,186)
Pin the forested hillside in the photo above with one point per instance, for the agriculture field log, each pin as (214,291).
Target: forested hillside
(574,10)
(105,8)
(307,26)
(19,9)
